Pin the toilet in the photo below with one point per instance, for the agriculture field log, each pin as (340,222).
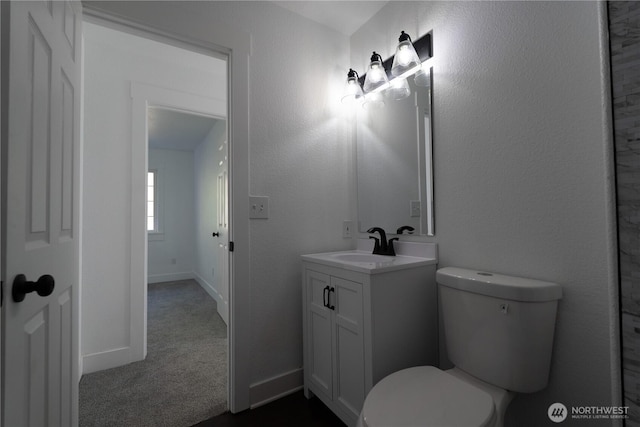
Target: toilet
(499,334)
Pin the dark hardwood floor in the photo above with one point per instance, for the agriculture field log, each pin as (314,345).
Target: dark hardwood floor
(290,411)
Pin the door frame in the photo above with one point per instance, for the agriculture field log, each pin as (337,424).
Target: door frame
(4,85)
(235,46)
(145,96)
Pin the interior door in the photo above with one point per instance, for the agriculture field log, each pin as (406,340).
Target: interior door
(40,348)
(222,269)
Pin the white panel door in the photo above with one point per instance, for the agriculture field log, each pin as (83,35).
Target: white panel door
(222,270)
(40,351)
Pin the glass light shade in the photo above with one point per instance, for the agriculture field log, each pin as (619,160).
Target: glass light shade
(422,78)
(399,89)
(352,91)
(373,101)
(406,57)
(376,75)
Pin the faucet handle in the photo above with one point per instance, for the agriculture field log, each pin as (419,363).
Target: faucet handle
(408,228)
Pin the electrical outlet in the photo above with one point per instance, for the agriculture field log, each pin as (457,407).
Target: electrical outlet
(414,209)
(346,229)
(258,207)
(174,261)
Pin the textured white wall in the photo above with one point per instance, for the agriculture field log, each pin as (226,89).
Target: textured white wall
(300,157)
(110,64)
(522,166)
(172,256)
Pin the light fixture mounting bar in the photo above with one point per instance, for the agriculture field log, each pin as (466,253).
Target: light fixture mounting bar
(423,47)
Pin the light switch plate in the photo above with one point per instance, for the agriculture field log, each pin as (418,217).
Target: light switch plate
(258,207)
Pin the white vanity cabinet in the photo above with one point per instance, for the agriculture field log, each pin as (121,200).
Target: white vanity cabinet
(361,323)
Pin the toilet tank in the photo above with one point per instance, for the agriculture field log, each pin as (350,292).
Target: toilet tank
(499,328)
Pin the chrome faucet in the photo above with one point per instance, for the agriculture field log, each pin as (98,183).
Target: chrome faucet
(381,246)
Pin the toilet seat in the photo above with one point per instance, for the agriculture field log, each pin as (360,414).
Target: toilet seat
(426,396)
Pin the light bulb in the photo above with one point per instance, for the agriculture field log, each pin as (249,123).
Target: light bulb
(352,91)
(406,56)
(376,78)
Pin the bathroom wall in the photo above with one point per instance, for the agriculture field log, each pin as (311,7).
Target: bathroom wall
(523,167)
(624,20)
(207,157)
(299,156)
(171,254)
(110,65)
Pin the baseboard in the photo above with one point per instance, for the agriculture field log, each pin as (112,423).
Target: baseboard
(211,290)
(169,277)
(222,306)
(106,360)
(276,387)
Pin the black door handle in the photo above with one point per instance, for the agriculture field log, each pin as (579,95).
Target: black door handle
(21,286)
(325,296)
(215,234)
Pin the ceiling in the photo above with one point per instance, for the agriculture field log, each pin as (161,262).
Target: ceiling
(177,130)
(346,17)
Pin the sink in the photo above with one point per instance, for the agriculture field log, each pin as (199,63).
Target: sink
(367,262)
(355,257)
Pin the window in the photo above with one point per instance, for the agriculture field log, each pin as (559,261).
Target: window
(152,216)
(154,201)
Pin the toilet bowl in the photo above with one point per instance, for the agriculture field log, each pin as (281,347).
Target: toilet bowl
(499,334)
(427,396)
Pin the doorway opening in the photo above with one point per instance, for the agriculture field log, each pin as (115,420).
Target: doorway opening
(162,84)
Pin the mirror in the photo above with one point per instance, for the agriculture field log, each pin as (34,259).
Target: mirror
(394,163)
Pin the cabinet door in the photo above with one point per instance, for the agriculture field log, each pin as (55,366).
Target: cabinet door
(318,359)
(349,345)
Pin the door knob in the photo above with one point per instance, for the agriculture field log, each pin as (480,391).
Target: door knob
(215,234)
(21,286)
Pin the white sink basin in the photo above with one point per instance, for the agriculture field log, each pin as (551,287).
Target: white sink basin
(357,257)
(367,262)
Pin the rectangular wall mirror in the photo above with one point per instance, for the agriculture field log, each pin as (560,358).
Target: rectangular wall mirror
(395,165)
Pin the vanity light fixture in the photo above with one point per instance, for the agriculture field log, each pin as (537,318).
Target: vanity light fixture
(406,57)
(389,77)
(352,90)
(376,78)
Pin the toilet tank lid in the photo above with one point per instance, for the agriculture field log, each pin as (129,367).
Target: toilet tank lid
(498,285)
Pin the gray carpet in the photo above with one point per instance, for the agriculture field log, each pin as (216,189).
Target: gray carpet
(183,379)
